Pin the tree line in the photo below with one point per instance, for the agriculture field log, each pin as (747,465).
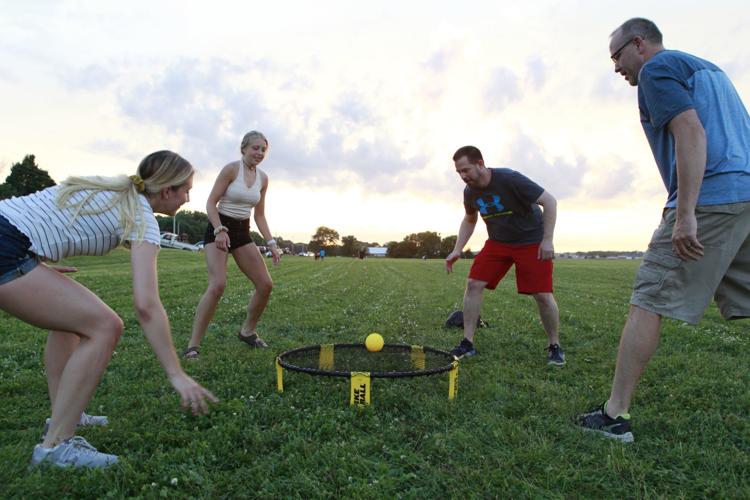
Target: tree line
(27,177)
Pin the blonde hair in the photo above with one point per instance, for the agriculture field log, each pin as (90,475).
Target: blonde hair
(155,172)
(253,134)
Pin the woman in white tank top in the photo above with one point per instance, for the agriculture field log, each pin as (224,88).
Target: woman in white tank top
(239,191)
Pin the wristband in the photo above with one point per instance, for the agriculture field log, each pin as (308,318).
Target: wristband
(271,242)
(220,229)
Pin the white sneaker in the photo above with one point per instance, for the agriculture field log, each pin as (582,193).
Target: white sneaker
(86,420)
(73,452)
(92,420)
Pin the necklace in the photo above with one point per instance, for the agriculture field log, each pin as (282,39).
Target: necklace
(251,168)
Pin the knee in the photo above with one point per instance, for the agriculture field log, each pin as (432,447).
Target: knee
(111,329)
(216,289)
(474,286)
(544,299)
(264,287)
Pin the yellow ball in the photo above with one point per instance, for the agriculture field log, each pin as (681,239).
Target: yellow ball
(374,342)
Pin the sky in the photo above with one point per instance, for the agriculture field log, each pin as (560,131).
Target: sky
(363,103)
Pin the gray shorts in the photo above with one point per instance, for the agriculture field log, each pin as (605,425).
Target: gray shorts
(671,287)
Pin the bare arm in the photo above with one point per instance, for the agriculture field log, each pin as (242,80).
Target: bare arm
(690,150)
(227,175)
(261,222)
(153,320)
(549,217)
(465,231)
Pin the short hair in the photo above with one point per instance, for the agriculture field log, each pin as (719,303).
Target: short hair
(641,27)
(472,153)
(253,134)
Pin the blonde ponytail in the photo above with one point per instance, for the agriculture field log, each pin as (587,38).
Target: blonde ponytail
(155,172)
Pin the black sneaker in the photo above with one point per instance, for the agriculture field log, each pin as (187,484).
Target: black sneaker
(555,355)
(597,420)
(464,349)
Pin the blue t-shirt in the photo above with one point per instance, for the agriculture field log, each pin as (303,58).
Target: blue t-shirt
(508,207)
(672,82)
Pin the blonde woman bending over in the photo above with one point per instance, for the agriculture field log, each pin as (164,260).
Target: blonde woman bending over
(239,191)
(90,216)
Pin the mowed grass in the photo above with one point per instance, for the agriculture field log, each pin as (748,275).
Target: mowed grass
(508,433)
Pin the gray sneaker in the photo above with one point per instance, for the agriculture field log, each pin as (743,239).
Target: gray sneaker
(73,452)
(86,420)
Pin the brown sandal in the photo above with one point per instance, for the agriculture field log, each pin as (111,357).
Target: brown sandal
(191,353)
(252,340)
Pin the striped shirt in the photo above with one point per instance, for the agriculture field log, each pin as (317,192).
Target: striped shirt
(54,237)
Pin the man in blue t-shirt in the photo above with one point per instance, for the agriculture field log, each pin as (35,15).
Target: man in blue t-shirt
(699,133)
(519,233)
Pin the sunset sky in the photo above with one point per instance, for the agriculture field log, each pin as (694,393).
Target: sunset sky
(363,103)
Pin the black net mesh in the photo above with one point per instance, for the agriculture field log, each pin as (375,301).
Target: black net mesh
(394,360)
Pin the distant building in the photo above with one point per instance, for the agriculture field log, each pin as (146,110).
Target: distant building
(377,251)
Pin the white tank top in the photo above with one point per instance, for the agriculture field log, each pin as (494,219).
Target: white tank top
(238,200)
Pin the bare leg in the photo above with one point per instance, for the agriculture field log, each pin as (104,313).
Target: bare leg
(49,300)
(550,316)
(472,305)
(216,260)
(60,346)
(251,263)
(639,341)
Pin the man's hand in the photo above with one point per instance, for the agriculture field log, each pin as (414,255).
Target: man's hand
(685,238)
(450,259)
(546,250)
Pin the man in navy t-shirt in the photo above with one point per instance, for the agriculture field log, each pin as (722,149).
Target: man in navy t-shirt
(699,133)
(520,233)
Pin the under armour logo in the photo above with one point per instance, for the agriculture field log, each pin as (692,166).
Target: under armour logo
(493,206)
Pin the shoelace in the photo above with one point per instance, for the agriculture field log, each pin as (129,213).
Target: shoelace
(80,442)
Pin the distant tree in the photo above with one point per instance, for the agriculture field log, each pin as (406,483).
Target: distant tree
(257,238)
(405,249)
(349,246)
(192,223)
(25,178)
(447,244)
(427,243)
(324,237)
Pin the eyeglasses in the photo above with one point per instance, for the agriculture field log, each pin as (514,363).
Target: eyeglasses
(616,54)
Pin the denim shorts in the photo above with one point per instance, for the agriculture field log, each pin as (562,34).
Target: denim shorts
(15,257)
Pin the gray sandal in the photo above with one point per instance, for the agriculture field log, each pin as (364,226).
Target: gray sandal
(252,340)
(191,353)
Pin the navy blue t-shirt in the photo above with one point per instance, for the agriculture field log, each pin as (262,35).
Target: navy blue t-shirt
(508,207)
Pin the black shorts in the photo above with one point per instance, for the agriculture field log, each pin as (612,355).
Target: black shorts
(239,232)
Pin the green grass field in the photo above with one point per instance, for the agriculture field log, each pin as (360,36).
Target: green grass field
(507,434)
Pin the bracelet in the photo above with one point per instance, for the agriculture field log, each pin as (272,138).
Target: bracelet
(220,229)
(271,242)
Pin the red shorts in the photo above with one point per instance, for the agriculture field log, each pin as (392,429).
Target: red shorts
(495,259)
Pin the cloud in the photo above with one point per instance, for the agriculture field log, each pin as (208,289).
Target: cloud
(92,77)
(611,178)
(562,178)
(536,72)
(502,89)
(311,144)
